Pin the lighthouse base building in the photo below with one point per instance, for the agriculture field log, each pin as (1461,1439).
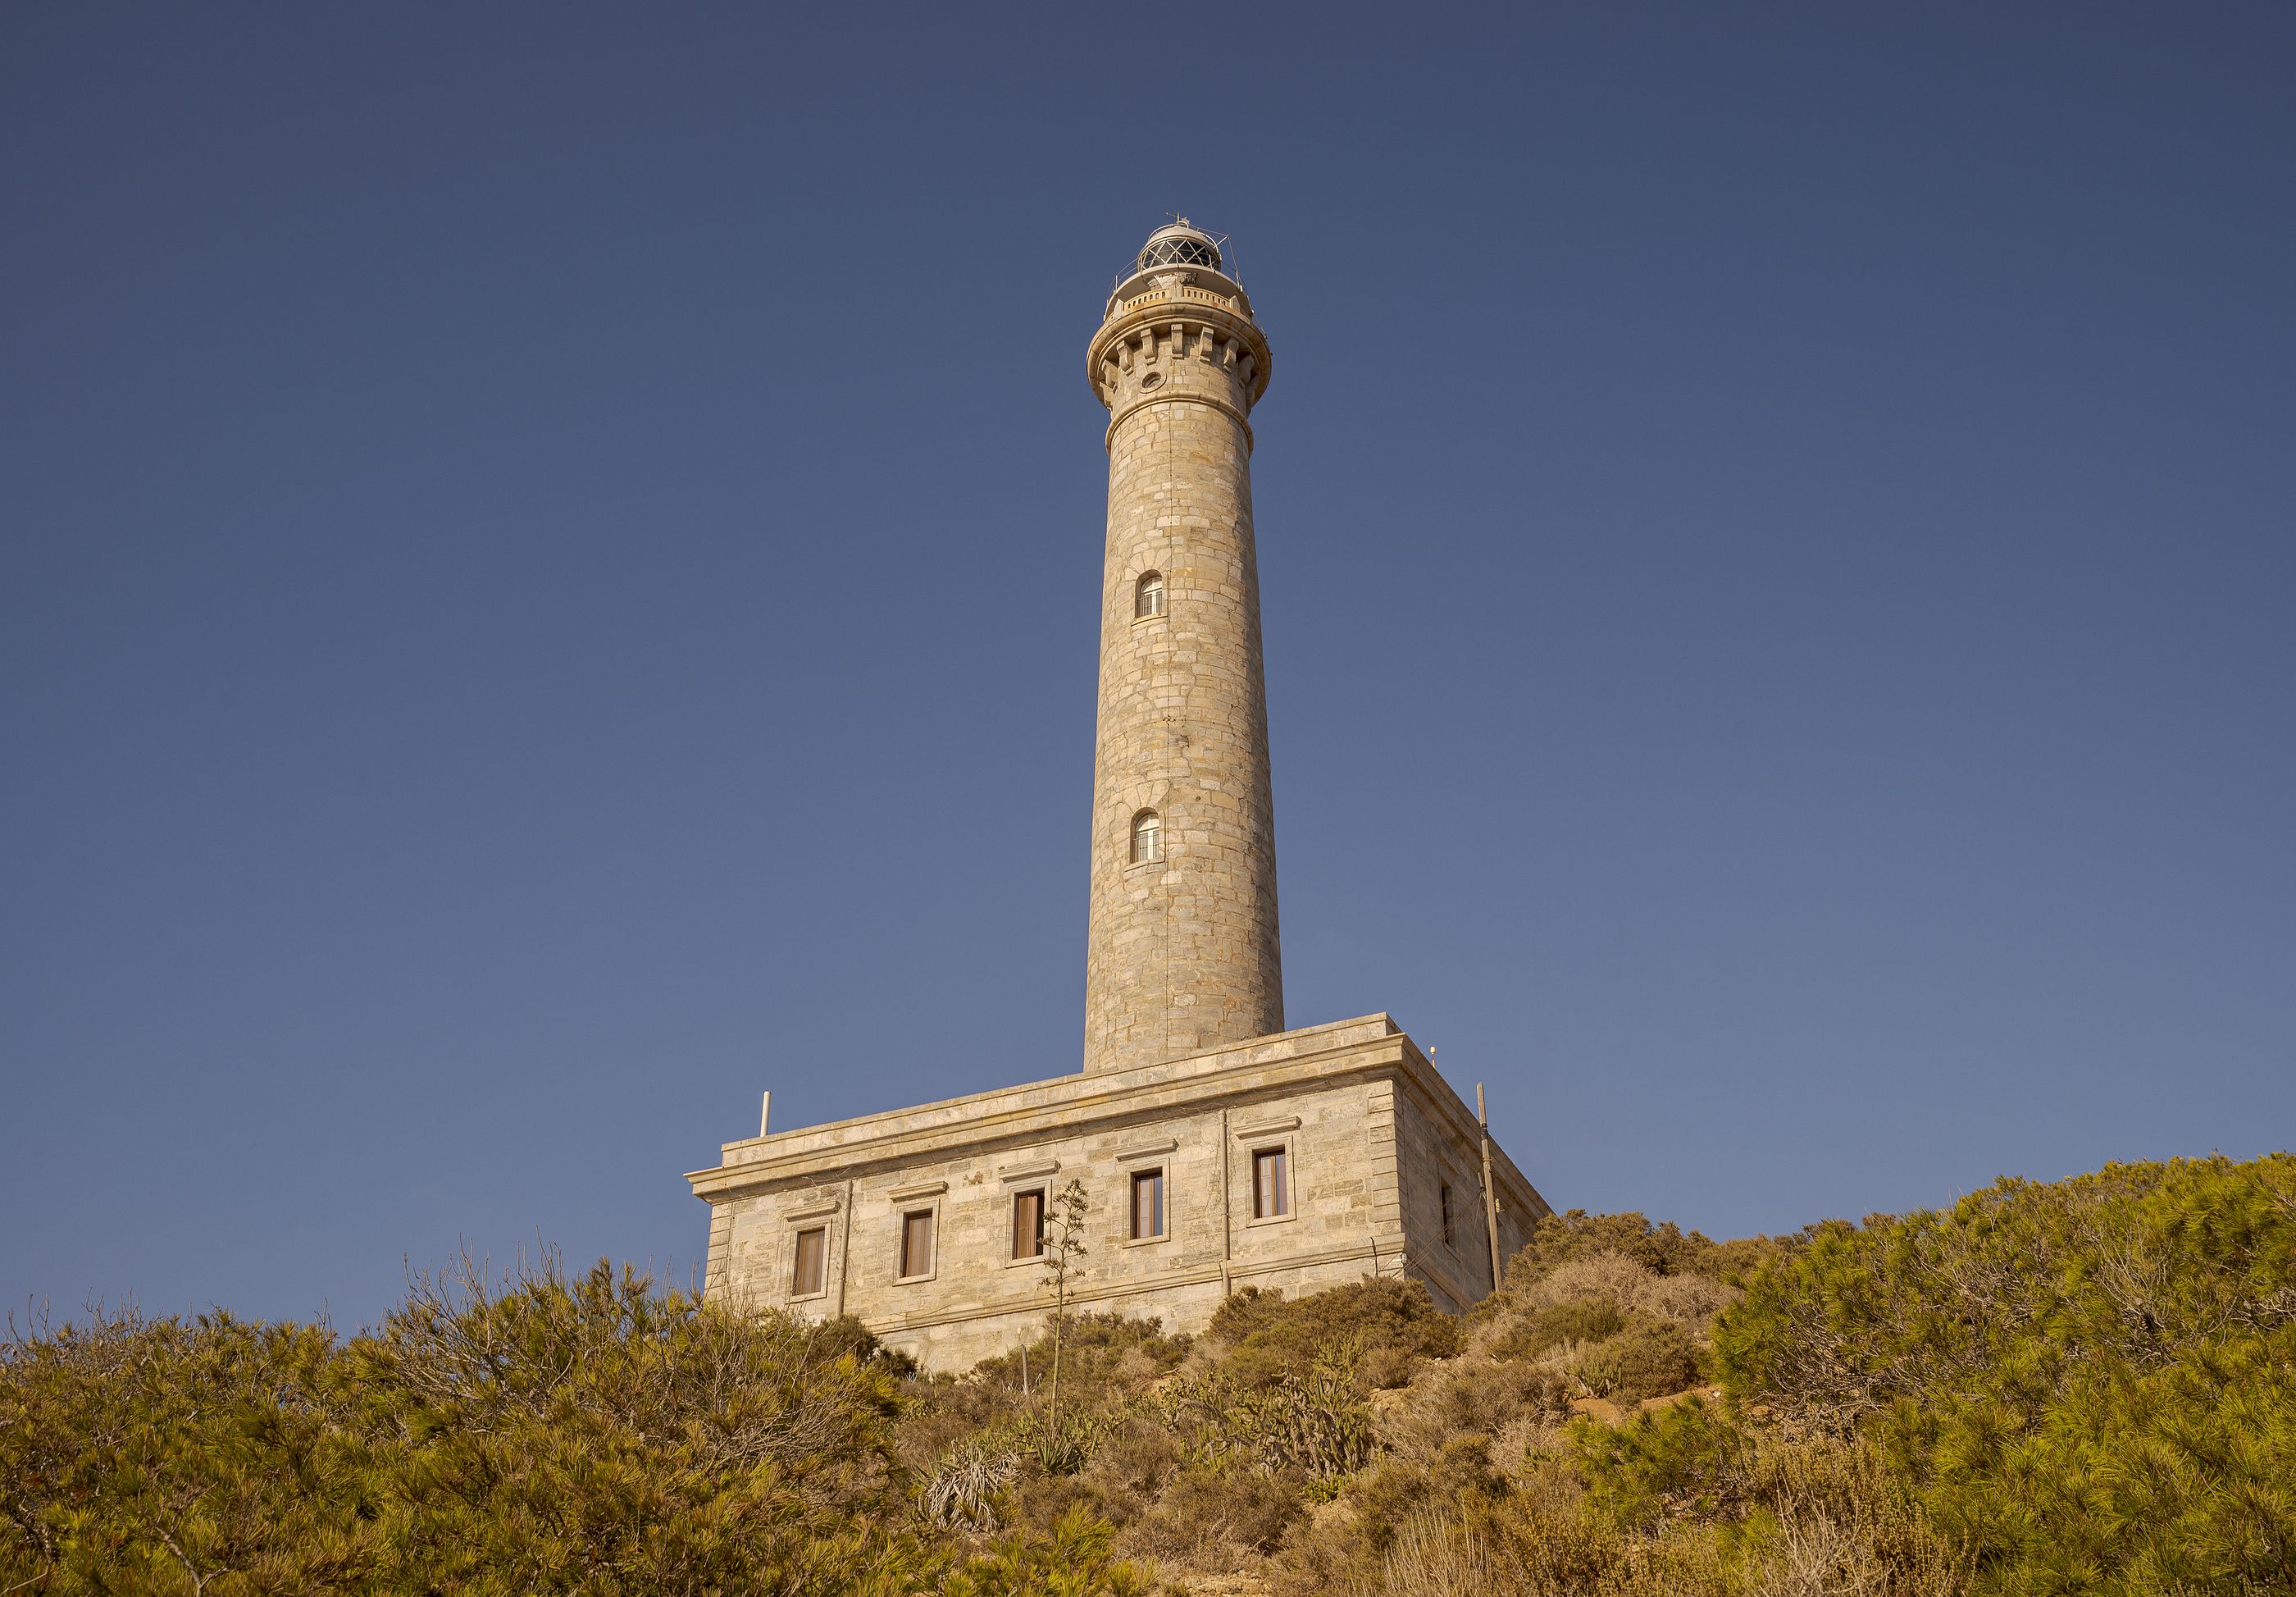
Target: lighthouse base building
(1211,1148)
(1299,1160)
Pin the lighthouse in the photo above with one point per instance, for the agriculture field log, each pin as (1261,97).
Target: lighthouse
(1211,1149)
(1182,948)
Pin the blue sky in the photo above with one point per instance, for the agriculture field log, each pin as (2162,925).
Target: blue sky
(549,560)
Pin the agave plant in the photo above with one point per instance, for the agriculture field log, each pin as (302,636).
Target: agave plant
(1062,1440)
(966,1482)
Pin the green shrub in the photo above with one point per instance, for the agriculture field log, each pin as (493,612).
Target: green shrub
(1269,1337)
(1136,1459)
(1073,1561)
(1214,1518)
(1649,1358)
(1304,1426)
(544,1434)
(1687,1456)
(1662,1250)
(1382,1497)
(1345,1551)
(1104,1353)
(847,1334)
(1478,1398)
(2094,1382)
(547,1434)
(1041,1501)
(1581,1320)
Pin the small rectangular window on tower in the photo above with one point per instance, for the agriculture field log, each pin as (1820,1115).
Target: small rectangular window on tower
(1028,1223)
(1443,1190)
(916,1244)
(1271,1184)
(812,1248)
(1147,1205)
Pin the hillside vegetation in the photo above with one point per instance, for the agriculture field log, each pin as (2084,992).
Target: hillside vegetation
(2084,1386)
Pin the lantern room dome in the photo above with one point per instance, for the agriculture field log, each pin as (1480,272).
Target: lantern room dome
(1180,252)
(1181,244)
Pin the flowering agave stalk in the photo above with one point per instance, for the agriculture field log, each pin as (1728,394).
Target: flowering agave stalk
(1065,1247)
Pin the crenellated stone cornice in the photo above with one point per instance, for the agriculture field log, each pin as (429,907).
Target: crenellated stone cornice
(1176,320)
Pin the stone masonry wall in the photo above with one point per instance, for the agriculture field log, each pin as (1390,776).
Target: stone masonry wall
(977,1300)
(1367,1128)
(1182,954)
(1431,1153)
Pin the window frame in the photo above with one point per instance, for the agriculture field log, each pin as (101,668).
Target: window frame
(1161,1172)
(1141,591)
(817,1212)
(1012,1237)
(1148,812)
(799,1232)
(1281,1146)
(929,1213)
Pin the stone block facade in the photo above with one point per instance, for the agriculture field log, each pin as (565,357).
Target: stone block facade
(1374,1142)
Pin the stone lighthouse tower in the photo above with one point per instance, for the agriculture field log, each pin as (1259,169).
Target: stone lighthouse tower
(1182,953)
(1213,1148)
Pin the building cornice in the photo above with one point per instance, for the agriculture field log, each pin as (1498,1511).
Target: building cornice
(1066,1107)
(1180,306)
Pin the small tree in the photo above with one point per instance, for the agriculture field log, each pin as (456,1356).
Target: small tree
(1065,1246)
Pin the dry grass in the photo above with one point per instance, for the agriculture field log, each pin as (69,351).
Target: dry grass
(1214,1522)
(1847,1534)
(1631,1289)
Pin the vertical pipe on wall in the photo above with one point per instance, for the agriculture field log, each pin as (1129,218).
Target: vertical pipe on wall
(1491,1195)
(1227,1228)
(845,1251)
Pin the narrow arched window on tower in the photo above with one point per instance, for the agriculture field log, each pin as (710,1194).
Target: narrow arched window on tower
(1147,837)
(1148,596)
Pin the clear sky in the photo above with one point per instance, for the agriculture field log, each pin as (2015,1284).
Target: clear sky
(549,569)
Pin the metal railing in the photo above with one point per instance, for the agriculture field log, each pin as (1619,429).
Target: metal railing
(1182,253)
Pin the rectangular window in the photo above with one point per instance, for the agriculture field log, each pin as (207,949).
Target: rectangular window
(1029,1224)
(916,1243)
(812,1245)
(1147,1204)
(1445,1187)
(1271,1184)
